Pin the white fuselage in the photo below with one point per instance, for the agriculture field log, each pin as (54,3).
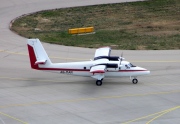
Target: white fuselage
(102,66)
(83,69)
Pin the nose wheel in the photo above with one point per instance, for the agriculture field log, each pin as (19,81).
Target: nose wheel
(99,82)
(134,81)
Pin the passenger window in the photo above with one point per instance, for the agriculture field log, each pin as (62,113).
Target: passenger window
(131,65)
(127,66)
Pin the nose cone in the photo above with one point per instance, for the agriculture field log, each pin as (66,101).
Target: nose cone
(147,72)
(144,71)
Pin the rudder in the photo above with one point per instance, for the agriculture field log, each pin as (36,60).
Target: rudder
(37,54)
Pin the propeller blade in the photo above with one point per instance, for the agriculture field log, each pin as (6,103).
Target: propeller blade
(121,58)
(122,54)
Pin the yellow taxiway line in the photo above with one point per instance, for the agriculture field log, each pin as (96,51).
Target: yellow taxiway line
(163,113)
(89,99)
(54,57)
(23,122)
(159,114)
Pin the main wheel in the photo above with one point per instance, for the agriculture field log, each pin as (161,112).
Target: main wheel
(135,81)
(98,82)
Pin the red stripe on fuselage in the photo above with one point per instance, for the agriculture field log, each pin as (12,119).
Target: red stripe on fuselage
(130,70)
(61,69)
(66,69)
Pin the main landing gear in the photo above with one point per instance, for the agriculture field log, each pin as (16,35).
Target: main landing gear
(99,82)
(135,81)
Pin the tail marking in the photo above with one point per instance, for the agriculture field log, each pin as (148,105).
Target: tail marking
(37,54)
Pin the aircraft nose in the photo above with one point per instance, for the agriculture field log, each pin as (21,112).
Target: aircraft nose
(145,71)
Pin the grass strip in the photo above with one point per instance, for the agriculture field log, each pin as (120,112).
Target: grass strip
(145,25)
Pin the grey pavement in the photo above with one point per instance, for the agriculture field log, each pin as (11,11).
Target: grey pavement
(37,97)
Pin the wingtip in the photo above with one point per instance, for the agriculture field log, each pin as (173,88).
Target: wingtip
(98,71)
(104,47)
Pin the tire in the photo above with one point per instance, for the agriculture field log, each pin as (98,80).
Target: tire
(98,82)
(134,81)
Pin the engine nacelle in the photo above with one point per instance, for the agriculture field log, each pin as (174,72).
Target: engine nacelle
(110,58)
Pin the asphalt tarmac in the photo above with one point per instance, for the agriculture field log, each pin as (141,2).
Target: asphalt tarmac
(35,97)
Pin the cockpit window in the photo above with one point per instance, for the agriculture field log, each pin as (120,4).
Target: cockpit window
(131,65)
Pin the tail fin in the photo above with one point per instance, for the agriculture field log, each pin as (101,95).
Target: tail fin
(37,54)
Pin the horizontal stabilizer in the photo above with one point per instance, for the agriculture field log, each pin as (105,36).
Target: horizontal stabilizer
(37,54)
(40,62)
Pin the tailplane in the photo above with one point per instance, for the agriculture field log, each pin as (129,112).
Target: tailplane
(37,55)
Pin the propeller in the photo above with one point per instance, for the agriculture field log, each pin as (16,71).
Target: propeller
(121,58)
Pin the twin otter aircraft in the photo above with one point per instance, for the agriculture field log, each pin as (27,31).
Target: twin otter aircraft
(102,65)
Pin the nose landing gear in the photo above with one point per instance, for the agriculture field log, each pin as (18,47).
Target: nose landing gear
(135,81)
(99,82)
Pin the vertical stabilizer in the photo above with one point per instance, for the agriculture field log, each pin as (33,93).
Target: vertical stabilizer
(37,55)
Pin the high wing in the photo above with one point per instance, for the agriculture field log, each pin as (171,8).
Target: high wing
(102,52)
(100,62)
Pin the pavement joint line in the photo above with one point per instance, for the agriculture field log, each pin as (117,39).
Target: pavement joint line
(88,99)
(23,122)
(54,57)
(157,113)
